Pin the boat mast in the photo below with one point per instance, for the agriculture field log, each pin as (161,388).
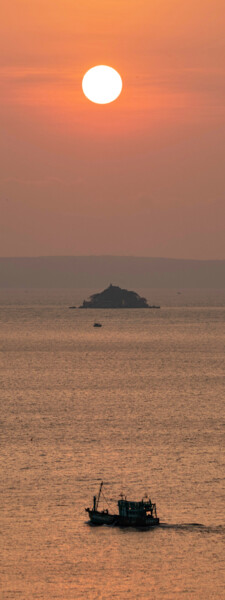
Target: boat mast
(99,494)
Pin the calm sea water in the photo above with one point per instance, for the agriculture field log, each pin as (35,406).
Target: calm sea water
(138,403)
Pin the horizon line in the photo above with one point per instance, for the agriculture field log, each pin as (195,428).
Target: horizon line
(119,256)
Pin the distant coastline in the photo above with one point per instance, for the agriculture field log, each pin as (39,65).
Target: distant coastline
(94,272)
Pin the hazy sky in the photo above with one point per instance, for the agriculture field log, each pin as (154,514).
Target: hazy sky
(144,175)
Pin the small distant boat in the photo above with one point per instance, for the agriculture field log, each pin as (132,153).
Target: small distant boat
(131,514)
(97,325)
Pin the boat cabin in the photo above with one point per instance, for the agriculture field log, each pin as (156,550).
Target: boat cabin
(136,510)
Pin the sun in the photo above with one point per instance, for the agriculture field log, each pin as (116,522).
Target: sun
(102,84)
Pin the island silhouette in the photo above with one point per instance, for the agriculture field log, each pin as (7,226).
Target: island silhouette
(116,297)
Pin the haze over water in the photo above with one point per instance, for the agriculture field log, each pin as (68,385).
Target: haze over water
(138,404)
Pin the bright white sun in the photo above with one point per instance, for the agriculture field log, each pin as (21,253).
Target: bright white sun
(102,84)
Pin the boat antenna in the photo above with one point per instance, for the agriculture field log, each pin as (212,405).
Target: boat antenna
(99,494)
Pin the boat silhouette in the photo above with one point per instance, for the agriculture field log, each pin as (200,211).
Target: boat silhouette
(130,514)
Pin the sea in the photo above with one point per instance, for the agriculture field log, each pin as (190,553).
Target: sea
(137,404)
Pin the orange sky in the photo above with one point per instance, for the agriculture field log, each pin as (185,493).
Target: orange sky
(143,175)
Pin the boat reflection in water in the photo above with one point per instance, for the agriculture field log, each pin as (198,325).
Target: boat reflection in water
(131,514)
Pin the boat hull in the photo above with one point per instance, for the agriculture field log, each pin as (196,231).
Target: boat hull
(144,523)
(101,517)
(105,518)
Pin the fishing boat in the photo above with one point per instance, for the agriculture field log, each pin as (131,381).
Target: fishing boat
(97,324)
(130,514)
